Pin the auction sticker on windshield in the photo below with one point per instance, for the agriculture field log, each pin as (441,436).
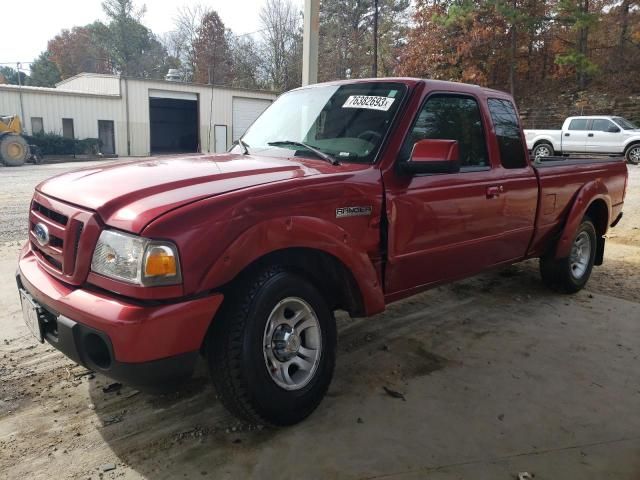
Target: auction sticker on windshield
(369,101)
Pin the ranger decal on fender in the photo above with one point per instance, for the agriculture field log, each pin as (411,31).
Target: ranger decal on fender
(353,212)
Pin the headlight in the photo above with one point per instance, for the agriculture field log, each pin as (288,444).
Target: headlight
(136,260)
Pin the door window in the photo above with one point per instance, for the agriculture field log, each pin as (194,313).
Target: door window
(507,127)
(578,124)
(601,125)
(451,117)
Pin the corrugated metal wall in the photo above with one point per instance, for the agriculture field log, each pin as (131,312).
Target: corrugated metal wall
(215,107)
(92,83)
(52,107)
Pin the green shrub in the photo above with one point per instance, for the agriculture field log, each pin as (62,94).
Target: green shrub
(54,144)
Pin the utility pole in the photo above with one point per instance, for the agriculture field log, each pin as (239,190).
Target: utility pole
(374,66)
(310,35)
(22,119)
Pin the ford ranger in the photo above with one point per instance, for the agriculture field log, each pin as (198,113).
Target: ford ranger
(579,135)
(341,196)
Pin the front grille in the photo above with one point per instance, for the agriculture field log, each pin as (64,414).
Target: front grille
(55,216)
(65,224)
(50,260)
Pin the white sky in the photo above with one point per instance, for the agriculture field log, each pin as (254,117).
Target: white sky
(30,24)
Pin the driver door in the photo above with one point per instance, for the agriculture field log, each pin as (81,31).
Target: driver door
(444,226)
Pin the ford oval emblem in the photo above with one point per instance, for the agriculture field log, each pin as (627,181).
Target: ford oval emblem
(42,233)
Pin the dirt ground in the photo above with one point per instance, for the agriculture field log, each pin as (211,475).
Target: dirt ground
(498,375)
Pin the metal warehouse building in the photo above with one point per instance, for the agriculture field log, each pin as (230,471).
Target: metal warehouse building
(136,116)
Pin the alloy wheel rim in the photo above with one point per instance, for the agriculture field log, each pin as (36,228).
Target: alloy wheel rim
(634,154)
(542,152)
(292,343)
(580,255)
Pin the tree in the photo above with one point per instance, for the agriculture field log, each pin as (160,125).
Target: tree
(211,51)
(44,72)
(282,44)
(393,26)
(247,64)
(579,14)
(183,39)
(347,32)
(80,50)
(10,76)
(133,49)
(344,40)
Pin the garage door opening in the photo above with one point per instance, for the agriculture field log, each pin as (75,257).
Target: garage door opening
(245,112)
(174,125)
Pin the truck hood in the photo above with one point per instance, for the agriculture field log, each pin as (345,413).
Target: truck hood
(129,195)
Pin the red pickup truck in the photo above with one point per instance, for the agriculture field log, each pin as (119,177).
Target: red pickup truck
(341,196)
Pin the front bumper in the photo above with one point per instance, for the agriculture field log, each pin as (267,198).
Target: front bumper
(141,344)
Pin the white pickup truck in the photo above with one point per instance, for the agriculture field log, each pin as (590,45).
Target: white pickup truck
(594,134)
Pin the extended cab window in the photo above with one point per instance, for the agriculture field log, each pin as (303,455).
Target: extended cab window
(507,127)
(578,124)
(451,117)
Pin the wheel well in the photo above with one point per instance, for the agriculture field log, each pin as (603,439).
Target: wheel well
(599,215)
(632,144)
(327,273)
(546,142)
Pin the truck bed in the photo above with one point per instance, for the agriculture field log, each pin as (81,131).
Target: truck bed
(560,179)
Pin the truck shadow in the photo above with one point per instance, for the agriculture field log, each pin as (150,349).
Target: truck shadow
(188,434)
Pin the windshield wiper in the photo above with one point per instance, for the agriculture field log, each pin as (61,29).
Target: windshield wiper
(325,156)
(244,146)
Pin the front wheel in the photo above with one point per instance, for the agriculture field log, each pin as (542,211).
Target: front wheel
(569,275)
(633,154)
(272,348)
(14,150)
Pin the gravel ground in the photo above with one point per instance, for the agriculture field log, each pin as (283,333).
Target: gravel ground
(16,188)
(499,376)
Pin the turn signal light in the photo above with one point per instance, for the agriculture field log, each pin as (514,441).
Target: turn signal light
(160,262)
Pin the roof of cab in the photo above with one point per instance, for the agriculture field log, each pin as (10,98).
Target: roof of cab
(412,81)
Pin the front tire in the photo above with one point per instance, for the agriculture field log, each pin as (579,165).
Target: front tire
(14,150)
(633,154)
(541,150)
(271,350)
(571,274)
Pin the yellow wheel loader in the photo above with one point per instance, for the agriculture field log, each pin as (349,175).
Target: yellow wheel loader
(14,149)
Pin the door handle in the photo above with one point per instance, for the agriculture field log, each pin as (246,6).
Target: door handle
(567,134)
(494,191)
(590,135)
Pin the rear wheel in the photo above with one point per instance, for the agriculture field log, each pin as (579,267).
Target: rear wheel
(542,150)
(14,150)
(633,154)
(571,274)
(271,350)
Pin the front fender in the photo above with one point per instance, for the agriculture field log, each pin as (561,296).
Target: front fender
(590,192)
(298,232)
(629,141)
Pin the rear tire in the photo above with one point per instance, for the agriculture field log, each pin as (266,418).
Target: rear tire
(571,274)
(271,349)
(541,150)
(14,150)
(633,154)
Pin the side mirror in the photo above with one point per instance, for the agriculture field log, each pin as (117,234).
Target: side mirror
(433,156)
(613,129)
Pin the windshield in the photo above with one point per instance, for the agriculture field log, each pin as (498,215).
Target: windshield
(346,122)
(624,123)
